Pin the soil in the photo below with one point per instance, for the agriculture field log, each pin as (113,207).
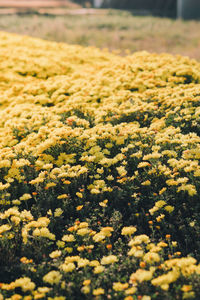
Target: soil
(37,4)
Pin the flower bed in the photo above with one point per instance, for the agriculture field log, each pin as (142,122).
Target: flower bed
(99,173)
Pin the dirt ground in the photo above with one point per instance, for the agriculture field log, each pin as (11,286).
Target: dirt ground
(37,3)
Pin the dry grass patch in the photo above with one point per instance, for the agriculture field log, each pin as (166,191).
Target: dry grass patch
(112,30)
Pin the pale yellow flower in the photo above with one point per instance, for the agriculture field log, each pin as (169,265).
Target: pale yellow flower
(118,286)
(98,269)
(106,260)
(128,230)
(68,267)
(83,231)
(55,254)
(97,292)
(58,212)
(141,275)
(68,238)
(53,277)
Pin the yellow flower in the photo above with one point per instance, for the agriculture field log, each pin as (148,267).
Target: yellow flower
(95,191)
(131,291)
(11,211)
(4,186)
(128,230)
(15,220)
(16,297)
(63,196)
(147,182)
(72,259)
(98,269)
(4,228)
(38,295)
(46,233)
(86,282)
(25,283)
(79,207)
(143,164)
(60,244)
(98,237)
(106,260)
(83,262)
(186,288)
(50,184)
(160,217)
(151,257)
(97,292)
(168,278)
(25,197)
(139,239)
(165,286)
(81,248)
(55,254)
(69,249)
(68,238)
(174,243)
(169,208)
(162,244)
(107,231)
(141,275)
(118,286)
(94,263)
(162,191)
(16,202)
(122,171)
(153,210)
(43,221)
(135,252)
(80,195)
(160,203)
(83,225)
(171,182)
(68,267)
(44,289)
(49,212)
(58,212)
(83,231)
(85,289)
(191,189)
(110,177)
(53,277)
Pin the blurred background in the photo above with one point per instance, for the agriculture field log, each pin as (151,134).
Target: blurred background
(171,26)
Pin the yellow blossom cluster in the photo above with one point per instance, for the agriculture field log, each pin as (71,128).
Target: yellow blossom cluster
(99,173)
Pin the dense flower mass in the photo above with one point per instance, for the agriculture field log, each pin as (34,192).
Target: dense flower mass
(99,173)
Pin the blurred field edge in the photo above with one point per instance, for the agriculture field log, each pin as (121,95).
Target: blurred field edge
(37,6)
(185,9)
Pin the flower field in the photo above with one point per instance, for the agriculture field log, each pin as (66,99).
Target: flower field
(99,173)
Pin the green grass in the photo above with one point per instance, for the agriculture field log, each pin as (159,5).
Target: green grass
(114,30)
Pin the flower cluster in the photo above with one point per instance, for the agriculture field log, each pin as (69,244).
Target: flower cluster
(99,173)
